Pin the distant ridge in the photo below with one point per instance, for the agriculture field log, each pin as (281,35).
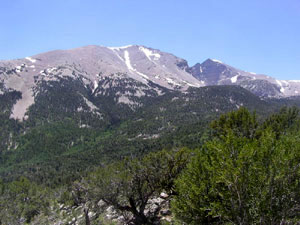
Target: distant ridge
(93,63)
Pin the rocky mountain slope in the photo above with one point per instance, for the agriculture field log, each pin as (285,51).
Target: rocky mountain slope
(77,108)
(215,72)
(57,137)
(64,113)
(91,66)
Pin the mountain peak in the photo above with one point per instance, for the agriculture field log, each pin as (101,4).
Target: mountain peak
(93,63)
(121,47)
(215,60)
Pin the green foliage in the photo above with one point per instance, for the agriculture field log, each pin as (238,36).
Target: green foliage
(128,185)
(286,120)
(9,127)
(238,179)
(21,201)
(64,139)
(62,99)
(43,151)
(103,221)
(240,123)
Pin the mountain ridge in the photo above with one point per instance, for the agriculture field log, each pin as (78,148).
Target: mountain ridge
(93,63)
(78,108)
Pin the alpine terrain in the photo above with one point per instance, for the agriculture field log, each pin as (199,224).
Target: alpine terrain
(95,66)
(82,132)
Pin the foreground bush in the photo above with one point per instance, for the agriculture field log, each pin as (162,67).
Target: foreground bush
(239,179)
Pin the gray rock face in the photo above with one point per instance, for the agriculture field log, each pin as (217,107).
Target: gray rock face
(215,72)
(93,63)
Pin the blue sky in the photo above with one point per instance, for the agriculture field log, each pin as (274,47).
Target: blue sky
(261,36)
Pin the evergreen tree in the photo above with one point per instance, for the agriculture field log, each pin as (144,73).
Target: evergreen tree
(238,179)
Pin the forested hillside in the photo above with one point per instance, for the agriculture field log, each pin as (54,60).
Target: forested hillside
(120,151)
(69,130)
(241,168)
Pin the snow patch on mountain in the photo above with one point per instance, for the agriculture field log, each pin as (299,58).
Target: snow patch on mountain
(192,85)
(117,54)
(171,81)
(51,70)
(234,79)
(127,61)
(149,53)
(95,85)
(119,48)
(129,66)
(217,61)
(31,59)
(279,83)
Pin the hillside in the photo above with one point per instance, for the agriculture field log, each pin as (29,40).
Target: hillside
(82,107)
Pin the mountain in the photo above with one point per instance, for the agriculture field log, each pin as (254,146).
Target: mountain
(57,141)
(215,72)
(77,108)
(91,65)
(65,113)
